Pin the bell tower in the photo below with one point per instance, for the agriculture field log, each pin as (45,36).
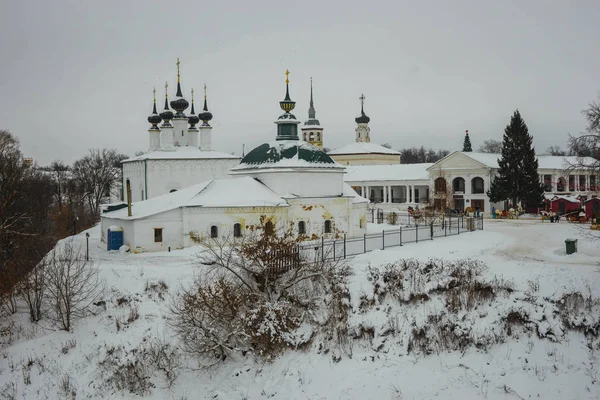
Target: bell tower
(362,130)
(312,132)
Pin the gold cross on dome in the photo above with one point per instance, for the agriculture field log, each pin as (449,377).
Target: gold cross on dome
(362,99)
(287,75)
(205,91)
(166,89)
(178,76)
(154,94)
(192,95)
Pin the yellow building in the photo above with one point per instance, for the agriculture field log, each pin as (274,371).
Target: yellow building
(363,152)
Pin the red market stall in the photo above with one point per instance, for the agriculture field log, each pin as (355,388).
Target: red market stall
(564,204)
(592,208)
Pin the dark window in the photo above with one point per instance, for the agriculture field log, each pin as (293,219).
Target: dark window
(440,185)
(458,185)
(269,228)
(214,231)
(477,185)
(237,230)
(301,228)
(328,226)
(157,235)
(172,190)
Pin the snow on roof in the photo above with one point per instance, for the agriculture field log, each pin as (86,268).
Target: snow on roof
(182,153)
(392,172)
(560,162)
(234,192)
(356,198)
(544,162)
(286,154)
(566,197)
(363,148)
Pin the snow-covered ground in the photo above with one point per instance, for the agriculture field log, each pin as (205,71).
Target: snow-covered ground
(42,363)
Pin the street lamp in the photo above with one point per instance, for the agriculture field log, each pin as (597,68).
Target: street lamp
(87,246)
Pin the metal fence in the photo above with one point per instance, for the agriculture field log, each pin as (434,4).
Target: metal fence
(342,248)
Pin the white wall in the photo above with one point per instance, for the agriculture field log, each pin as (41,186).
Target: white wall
(166,175)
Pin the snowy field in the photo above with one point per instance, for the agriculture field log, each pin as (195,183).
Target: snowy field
(546,361)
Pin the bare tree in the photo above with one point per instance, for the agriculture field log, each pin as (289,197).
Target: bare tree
(33,290)
(60,176)
(25,226)
(72,282)
(491,146)
(587,145)
(96,173)
(555,151)
(415,155)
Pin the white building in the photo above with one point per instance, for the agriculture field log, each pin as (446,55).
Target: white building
(462,179)
(288,182)
(363,152)
(179,153)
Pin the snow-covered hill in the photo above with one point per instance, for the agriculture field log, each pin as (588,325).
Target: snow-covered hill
(522,336)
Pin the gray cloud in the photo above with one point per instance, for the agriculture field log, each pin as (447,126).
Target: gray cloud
(77,75)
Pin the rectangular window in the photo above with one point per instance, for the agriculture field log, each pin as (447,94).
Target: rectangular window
(158,235)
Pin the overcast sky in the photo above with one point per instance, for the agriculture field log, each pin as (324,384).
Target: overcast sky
(79,74)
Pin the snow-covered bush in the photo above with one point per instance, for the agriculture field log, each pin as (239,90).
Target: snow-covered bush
(257,294)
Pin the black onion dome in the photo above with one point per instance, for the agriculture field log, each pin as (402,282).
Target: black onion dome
(154,118)
(205,115)
(167,114)
(179,104)
(363,119)
(193,118)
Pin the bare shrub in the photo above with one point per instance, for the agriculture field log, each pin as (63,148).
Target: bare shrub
(126,371)
(134,314)
(254,293)
(164,357)
(68,345)
(580,312)
(392,218)
(33,289)
(159,288)
(208,319)
(73,284)
(8,391)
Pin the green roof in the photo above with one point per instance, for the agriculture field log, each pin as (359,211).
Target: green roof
(286,153)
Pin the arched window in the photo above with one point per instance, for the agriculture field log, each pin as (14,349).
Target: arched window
(561,184)
(328,226)
(458,185)
(477,185)
(237,230)
(301,228)
(311,136)
(440,185)
(214,231)
(318,136)
(305,136)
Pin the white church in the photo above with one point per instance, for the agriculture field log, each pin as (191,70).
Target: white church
(288,182)
(179,154)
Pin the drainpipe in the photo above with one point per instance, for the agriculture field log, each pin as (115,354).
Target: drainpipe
(122,186)
(146,178)
(128,198)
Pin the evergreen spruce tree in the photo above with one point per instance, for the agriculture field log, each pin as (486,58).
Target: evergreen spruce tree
(518,178)
(467,142)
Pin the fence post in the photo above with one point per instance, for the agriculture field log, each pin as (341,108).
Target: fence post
(333,249)
(481,221)
(344,246)
(322,248)
(458,225)
(383,239)
(400,236)
(445,230)
(431,231)
(417,233)
(365,243)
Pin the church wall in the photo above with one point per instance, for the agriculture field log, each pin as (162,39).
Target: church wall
(200,220)
(367,159)
(165,175)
